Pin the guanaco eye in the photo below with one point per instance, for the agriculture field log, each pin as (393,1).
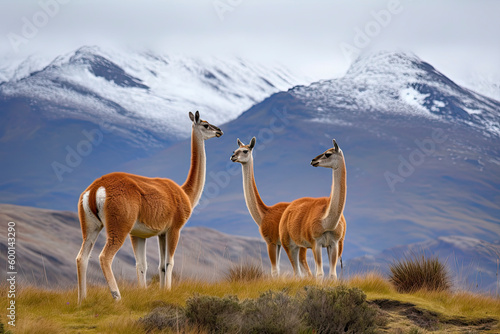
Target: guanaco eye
(245,151)
(206,126)
(328,155)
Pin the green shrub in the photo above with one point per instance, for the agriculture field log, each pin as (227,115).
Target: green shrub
(271,313)
(214,314)
(244,272)
(317,310)
(416,271)
(338,310)
(169,316)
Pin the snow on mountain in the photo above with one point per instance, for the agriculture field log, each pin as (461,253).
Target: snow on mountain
(16,69)
(142,89)
(401,84)
(486,84)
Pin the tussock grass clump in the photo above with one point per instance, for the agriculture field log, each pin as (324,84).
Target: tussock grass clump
(338,310)
(244,272)
(416,271)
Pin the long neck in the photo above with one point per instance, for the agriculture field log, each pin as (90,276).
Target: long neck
(337,198)
(255,205)
(193,187)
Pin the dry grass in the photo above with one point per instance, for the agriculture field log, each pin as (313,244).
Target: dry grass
(56,311)
(372,282)
(244,272)
(464,304)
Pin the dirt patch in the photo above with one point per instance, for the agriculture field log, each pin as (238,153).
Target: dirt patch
(390,304)
(482,324)
(432,321)
(422,318)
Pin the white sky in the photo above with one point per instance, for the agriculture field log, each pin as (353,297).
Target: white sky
(460,38)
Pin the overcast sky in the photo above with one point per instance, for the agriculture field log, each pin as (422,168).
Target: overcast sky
(460,38)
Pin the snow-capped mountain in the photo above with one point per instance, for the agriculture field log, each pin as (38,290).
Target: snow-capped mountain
(385,84)
(144,91)
(121,105)
(404,184)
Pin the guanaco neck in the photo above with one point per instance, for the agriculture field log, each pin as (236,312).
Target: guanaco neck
(337,198)
(195,181)
(254,202)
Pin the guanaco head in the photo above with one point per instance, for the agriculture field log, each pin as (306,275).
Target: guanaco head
(331,158)
(244,152)
(205,129)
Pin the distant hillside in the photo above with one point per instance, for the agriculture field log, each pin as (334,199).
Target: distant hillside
(48,242)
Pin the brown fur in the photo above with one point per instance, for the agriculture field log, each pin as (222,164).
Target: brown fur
(141,207)
(193,182)
(305,223)
(308,210)
(157,203)
(269,229)
(267,217)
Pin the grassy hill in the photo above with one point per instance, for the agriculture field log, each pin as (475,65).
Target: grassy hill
(56,311)
(47,243)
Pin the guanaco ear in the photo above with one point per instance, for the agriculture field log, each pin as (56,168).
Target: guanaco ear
(240,144)
(252,143)
(197,117)
(335,146)
(191,116)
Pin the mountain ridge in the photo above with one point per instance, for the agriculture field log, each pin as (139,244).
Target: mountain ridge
(144,90)
(399,83)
